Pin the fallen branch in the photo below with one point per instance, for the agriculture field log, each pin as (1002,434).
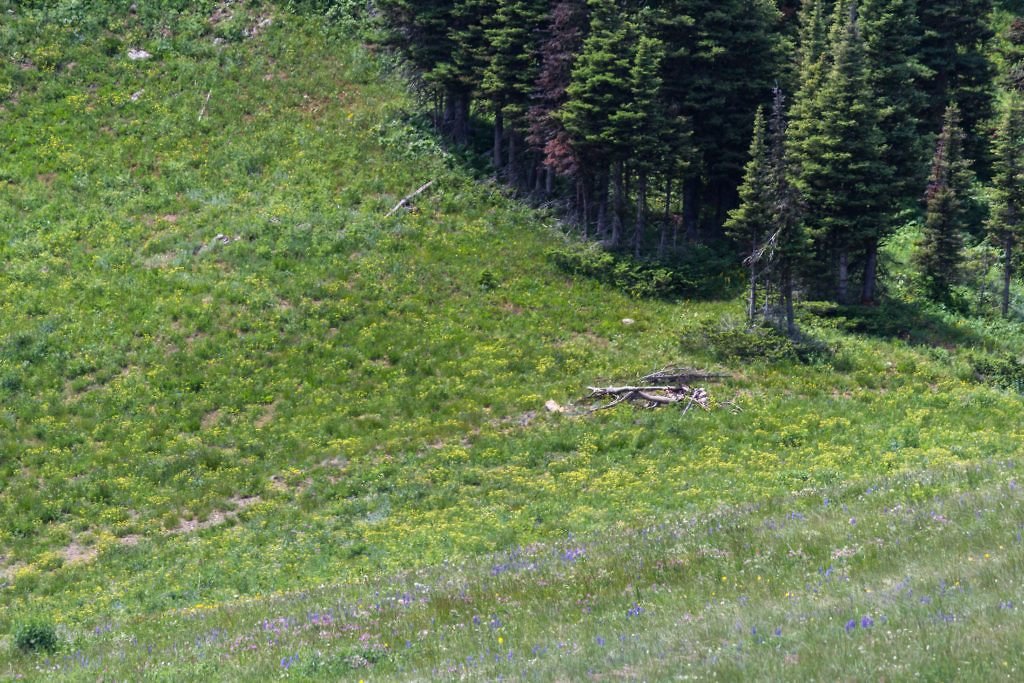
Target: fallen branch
(679,376)
(407,199)
(203,110)
(654,396)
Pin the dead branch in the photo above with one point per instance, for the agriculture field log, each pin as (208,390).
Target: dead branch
(203,110)
(407,199)
(610,391)
(653,396)
(679,376)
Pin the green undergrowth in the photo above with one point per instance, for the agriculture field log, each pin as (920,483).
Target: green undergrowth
(225,373)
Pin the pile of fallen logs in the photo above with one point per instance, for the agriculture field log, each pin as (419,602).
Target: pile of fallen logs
(663,387)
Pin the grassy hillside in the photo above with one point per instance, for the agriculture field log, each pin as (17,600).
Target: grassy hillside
(251,427)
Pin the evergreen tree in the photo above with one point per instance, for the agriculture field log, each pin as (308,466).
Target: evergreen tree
(560,43)
(1013,55)
(641,125)
(954,49)
(1008,191)
(939,255)
(720,56)
(748,223)
(507,79)
(891,41)
(839,148)
(786,210)
(438,39)
(601,85)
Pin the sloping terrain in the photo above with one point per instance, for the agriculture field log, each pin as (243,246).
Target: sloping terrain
(251,426)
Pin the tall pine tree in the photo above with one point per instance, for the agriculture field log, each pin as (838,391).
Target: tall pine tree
(954,48)
(721,55)
(1005,223)
(939,255)
(748,223)
(840,149)
(511,69)
(600,87)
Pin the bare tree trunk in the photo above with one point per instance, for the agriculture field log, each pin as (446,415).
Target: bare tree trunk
(499,133)
(985,266)
(602,204)
(844,277)
(1007,272)
(513,169)
(536,181)
(867,293)
(691,208)
(787,284)
(618,206)
(456,116)
(549,180)
(753,279)
(641,213)
(663,244)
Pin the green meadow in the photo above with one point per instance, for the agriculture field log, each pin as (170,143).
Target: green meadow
(253,427)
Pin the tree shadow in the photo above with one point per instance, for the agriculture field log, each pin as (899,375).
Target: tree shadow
(910,322)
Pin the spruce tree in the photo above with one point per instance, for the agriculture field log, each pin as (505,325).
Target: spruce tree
(1005,223)
(511,68)
(721,56)
(641,125)
(748,223)
(891,42)
(955,49)
(599,89)
(786,210)
(839,149)
(939,255)
(559,46)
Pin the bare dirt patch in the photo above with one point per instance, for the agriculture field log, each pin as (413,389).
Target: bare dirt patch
(210,419)
(77,553)
(187,526)
(268,414)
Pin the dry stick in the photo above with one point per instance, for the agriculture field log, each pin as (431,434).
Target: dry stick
(614,403)
(607,391)
(674,374)
(203,110)
(405,201)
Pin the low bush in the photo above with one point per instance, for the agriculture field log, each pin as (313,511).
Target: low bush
(729,339)
(699,273)
(1005,372)
(35,635)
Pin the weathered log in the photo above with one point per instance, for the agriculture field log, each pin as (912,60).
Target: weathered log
(407,199)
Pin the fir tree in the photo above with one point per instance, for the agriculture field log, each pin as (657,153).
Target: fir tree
(768,219)
(559,45)
(1008,191)
(599,89)
(839,148)
(954,49)
(748,223)
(891,42)
(507,79)
(786,210)
(939,255)
(720,56)
(641,125)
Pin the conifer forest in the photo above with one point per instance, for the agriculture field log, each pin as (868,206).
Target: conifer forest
(799,136)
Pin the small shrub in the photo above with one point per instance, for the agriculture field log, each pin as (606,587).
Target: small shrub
(35,635)
(699,273)
(487,280)
(731,340)
(1007,373)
